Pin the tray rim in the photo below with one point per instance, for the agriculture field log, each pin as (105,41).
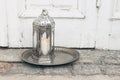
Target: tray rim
(71,61)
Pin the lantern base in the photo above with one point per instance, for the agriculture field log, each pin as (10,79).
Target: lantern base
(44,59)
(61,56)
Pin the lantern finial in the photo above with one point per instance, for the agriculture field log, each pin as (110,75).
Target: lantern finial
(44,12)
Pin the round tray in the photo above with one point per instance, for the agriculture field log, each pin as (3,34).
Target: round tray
(62,56)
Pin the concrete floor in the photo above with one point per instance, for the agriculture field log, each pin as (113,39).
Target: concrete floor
(92,65)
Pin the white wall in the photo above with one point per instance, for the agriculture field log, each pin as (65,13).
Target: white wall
(89,27)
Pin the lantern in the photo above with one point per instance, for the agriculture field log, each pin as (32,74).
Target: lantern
(43,38)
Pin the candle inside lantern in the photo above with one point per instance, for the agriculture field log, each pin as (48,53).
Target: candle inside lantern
(45,44)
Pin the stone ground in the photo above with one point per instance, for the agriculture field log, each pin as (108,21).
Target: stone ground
(92,65)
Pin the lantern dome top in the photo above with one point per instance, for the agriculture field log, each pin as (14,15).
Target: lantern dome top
(44,20)
(44,12)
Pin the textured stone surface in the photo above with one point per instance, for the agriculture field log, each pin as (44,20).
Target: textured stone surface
(86,56)
(60,70)
(5,67)
(22,68)
(90,63)
(36,77)
(99,56)
(86,69)
(111,69)
(113,57)
(91,56)
(11,55)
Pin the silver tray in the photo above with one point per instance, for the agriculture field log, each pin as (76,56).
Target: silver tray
(62,56)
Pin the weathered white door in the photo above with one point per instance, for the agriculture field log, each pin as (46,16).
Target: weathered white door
(3,24)
(75,21)
(108,26)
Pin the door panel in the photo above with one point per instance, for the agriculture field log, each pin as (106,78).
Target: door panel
(104,24)
(51,4)
(90,23)
(79,23)
(114,42)
(56,8)
(108,29)
(14,28)
(3,24)
(75,21)
(116,9)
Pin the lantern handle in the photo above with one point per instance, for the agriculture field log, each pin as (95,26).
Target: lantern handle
(44,12)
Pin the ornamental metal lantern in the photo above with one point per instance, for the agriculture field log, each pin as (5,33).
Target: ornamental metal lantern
(43,37)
